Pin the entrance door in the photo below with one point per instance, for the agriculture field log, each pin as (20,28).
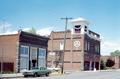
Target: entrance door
(34,63)
(33,57)
(86,65)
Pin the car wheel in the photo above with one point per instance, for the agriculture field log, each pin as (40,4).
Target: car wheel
(35,75)
(47,74)
(25,76)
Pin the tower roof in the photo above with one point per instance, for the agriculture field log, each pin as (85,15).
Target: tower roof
(79,20)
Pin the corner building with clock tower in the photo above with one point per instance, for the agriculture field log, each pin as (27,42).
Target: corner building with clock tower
(82,48)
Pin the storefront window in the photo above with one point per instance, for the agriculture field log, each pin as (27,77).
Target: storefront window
(24,50)
(24,57)
(42,52)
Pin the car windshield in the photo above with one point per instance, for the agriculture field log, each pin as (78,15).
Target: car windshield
(42,68)
(35,68)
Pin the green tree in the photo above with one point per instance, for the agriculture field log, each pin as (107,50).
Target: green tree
(32,30)
(115,53)
(102,65)
(110,63)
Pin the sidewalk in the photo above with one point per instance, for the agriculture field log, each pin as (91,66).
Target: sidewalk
(107,70)
(18,75)
(14,75)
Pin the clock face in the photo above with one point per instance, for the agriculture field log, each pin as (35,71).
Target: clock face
(77,43)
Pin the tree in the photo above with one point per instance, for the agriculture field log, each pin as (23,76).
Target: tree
(102,65)
(32,30)
(115,53)
(110,63)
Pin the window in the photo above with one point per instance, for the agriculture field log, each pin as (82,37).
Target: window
(24,50)
(24,63)
(88,46)
(42,57)
(34,52)
(97,48)
(41,62)
(42,52)
(85,29)
(61,45)
(77,28)
(24,57)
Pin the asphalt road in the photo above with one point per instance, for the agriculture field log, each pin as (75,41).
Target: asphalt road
(84,75)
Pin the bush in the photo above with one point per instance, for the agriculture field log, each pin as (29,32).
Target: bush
(110,63)
(102,65)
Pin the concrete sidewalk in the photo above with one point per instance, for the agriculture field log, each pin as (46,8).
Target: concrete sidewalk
(14,75)
(19,75)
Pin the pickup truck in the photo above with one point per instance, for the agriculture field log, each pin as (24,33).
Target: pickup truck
(37,72)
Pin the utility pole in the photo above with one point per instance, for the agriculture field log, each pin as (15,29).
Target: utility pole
(3,26)
(1,62)
(65,32)
(2,50)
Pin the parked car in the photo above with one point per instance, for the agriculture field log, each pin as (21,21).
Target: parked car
(37,72)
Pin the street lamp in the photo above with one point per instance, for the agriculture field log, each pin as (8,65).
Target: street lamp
(66,22)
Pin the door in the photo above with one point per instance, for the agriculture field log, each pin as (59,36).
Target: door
(33,57)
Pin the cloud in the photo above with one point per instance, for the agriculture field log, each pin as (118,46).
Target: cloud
(5,26)
(45,31)
(108,46)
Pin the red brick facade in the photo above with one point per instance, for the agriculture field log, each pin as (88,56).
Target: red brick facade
(82,48)
(74,57)
(116,59)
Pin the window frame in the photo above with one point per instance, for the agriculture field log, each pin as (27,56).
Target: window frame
(24,54)
(43,55)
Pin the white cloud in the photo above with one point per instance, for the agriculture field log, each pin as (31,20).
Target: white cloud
(108,46)
(45,31)
(5,27)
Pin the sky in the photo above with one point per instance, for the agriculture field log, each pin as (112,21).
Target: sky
(44,16)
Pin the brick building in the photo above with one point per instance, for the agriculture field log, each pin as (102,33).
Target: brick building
(116,59)
(82,48)
(22,51)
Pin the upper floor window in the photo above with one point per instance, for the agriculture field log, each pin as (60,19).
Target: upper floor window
(85,29)
(97,48)
(24,50)
(61,45)
(77,29)
(77,26)
(88,46)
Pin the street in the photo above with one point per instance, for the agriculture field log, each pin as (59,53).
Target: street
(84,75)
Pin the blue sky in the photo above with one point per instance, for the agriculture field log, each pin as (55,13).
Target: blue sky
(103,15)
